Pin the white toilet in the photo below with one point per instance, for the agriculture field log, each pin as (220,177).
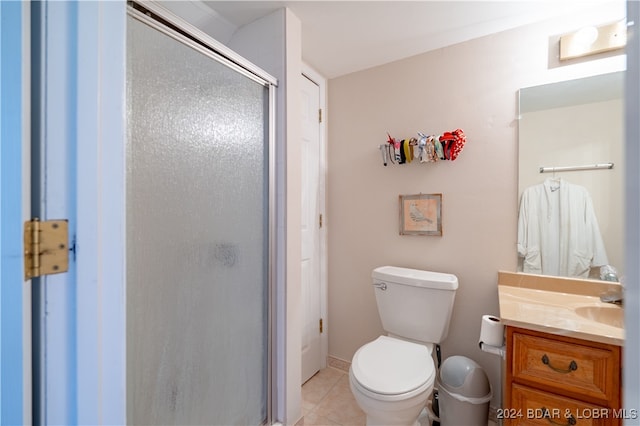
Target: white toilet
(392,377)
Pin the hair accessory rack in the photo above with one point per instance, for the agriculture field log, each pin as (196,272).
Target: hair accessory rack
(424,148)
(597,166)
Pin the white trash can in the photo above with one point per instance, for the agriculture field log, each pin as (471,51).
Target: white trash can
(464,393)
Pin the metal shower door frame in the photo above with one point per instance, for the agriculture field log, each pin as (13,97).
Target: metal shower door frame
(173,26)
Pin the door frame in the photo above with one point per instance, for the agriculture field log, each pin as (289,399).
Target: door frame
(317,78)
(631,371)
(79,129)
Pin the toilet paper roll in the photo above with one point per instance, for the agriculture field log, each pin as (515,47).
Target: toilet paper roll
(491,331)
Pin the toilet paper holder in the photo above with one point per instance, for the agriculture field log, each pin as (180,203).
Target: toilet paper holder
(492,336)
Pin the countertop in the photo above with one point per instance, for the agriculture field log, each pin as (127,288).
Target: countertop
(526,304)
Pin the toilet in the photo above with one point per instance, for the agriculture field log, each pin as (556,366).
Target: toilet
(392,377)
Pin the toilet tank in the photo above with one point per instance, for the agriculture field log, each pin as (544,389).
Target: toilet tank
(415,304)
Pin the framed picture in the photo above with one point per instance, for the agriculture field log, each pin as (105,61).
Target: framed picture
(421,214)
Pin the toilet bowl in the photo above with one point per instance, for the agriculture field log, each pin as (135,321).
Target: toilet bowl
(391,380)
(392,377)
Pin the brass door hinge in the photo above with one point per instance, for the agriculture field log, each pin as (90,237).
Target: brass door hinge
(320,220)
(321,325)
(320,116)
(46,247)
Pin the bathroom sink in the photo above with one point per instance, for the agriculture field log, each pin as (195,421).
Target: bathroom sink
(609,315)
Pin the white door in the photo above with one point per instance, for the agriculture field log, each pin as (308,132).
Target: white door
(311,348)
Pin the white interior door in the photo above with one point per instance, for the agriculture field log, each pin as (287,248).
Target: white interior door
(311,288)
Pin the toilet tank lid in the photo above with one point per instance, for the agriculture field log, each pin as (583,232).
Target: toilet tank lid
(415,277)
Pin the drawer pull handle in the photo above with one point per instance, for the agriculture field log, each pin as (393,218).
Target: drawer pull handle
(570,421)
(573,366)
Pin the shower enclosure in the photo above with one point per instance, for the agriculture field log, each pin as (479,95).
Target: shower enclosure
(199,221)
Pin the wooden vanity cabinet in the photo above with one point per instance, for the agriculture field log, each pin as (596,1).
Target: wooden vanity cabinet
(558,380)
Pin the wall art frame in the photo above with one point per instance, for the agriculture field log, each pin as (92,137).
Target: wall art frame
(421,214)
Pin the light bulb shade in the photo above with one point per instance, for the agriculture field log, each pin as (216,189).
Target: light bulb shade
(591,40)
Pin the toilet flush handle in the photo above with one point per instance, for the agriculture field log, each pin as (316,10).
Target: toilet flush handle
(381,286)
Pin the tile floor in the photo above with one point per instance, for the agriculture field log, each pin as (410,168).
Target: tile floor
(327,400)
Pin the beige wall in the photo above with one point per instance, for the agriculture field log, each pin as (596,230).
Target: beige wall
(472,86)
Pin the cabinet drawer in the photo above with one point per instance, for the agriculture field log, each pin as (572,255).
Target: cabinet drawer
(582,371)
(535,407)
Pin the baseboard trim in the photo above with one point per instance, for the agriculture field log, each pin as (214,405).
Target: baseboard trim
(338,363)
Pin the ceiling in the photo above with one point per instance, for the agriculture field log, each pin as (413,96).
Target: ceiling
(341,37)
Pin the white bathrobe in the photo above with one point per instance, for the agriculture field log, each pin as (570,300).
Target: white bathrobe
(558,232)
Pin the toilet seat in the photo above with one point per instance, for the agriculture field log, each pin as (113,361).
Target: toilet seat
(389,366)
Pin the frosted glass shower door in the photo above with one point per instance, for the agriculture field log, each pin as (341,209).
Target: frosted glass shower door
(197,235)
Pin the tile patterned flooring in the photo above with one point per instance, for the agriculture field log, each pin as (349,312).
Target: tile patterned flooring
(327,401)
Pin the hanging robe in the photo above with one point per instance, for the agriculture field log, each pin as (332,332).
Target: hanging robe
(558,233)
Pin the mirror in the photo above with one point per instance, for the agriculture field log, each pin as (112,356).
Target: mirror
(566,125)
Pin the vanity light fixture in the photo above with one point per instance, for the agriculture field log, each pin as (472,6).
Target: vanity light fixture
(591,40)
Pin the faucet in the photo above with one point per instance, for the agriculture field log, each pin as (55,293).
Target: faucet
(612,296)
